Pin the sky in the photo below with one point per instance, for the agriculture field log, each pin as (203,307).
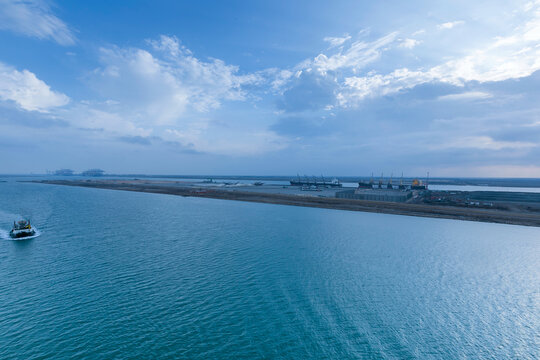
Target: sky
(271,87)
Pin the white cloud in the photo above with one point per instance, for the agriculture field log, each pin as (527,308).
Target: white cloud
(470,95)
(27,91)
(166,92)
(162,85)
(280,78)
(137,81)
(202,137)
(450,25)
(409,43)
(483,143)
(507,57)
(34,18)
(337,41)
(92,116)
(358,55)
(355,89)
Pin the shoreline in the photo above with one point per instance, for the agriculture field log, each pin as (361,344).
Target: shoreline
(421,210)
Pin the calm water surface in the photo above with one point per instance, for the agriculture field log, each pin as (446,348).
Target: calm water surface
(120,275)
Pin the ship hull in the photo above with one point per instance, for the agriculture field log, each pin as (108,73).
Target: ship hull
(21,234)
(314,183)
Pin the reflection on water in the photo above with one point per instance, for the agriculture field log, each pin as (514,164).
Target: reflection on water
(131,275)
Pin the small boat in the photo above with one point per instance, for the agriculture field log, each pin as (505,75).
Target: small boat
(22,229)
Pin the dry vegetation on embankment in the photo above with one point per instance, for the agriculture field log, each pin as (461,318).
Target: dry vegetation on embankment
(424,210)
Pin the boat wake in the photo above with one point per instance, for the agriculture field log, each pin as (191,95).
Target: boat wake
(4,235)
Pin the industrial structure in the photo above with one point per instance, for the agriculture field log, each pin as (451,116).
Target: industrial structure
(392,195)
(93,172)
(63,172)
(382,192)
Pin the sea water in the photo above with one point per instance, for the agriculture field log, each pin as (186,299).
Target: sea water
(125,275)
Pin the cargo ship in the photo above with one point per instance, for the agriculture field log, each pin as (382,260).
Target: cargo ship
(366,185)
(415,185)
(418,185)
(314,182)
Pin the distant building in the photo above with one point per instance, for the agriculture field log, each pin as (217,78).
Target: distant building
(63,172)
(375,195)
(93,172)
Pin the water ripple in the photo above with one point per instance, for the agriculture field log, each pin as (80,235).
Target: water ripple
(129,275)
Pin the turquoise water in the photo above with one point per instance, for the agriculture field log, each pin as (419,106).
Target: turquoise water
(120,275)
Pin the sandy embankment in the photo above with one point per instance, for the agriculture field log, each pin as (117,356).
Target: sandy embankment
(424,210)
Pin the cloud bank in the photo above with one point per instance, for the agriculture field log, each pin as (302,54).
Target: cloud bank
(389,96)
(34,18)
(27,91)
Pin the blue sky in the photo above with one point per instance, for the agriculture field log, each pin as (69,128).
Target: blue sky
(253,87)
